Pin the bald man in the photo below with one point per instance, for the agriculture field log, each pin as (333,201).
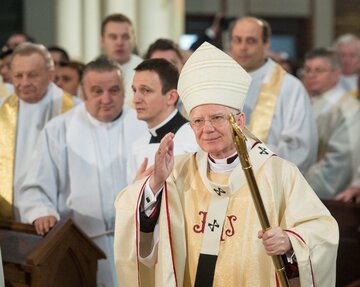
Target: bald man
(277,106)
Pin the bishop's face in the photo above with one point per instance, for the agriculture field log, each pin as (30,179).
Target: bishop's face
(103,94)
(212,129)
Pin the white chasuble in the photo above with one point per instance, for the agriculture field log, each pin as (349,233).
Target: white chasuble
(242,260)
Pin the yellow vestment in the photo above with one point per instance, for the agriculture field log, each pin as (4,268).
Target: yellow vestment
(242,260)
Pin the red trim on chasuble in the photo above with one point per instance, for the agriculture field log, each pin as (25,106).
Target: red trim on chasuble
(169,231)
(255,143)
(303,241)
(137,228)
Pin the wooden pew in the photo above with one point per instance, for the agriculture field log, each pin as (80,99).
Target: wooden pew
(348,260)
(64,257)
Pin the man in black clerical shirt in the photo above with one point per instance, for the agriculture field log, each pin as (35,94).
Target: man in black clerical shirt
(155,98)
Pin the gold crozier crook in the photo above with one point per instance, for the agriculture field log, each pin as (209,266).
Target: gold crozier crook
(240,145)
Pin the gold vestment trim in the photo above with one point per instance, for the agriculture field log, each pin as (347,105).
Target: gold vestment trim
(8,127)
(4,93)
(8,121)
(67,102)
(262,115)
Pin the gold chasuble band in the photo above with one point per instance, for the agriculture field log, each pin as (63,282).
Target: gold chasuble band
(8,119)
(261,117)
(217,213)
(4,93)
(67,102)
(354,94)
(8,128)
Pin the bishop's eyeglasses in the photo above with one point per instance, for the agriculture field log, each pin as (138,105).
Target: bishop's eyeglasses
(216,120)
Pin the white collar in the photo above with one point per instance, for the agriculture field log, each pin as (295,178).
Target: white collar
(222,165)
(98,123)
(153,130)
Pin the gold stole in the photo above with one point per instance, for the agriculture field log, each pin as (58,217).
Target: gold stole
(354,94)
(262,115)
(8,121)
(4,93)
(67,102)
(8,118)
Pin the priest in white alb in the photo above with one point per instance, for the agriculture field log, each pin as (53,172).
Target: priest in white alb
(79,165)
(192,222)
(23,115)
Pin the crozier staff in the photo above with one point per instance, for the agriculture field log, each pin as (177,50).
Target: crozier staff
(193,221)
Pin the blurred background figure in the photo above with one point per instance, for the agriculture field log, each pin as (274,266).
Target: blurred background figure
(277,106)
(5,58)
(212,34)
(6,88)
(68,76)
(348,47)
(283,59)
(59,55)
(338,122)
(170,51)
(352,193)
(166,49)
(16,38)
(118,43)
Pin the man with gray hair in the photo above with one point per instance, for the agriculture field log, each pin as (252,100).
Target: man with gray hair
(193,222)
(23,115)
(338,121)
(348,47)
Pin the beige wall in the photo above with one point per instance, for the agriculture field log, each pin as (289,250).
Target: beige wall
(75,24)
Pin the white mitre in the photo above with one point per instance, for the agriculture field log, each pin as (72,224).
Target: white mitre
(210,76)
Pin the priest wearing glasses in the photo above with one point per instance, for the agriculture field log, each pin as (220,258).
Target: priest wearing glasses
(192,221)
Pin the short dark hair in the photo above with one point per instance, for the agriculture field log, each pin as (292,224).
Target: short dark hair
(101,64)
(64,55)
(6,52)
(167,72)
(163,45)
(266,28)
(77,66)
(327,53)
(121,18)
(27,37)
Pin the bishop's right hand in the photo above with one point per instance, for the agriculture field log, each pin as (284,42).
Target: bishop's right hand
(164,162)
